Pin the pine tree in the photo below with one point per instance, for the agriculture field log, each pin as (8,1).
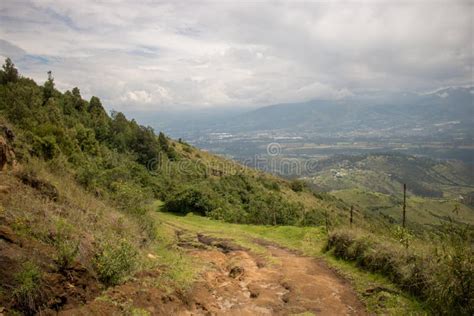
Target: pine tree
(48,89)
(8,73)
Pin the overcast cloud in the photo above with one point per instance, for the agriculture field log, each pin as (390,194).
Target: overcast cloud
(150,55)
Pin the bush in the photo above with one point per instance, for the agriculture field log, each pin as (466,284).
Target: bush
(129,195)
(297,185)
(146,223)
(450,281)
(66,246)
(196,199)
(114,261)
(27,294)
(445,279)
(46,147)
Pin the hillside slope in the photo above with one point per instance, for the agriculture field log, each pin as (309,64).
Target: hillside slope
(77,188)
(438,191)
(385,173)
(128,164)
(81,231)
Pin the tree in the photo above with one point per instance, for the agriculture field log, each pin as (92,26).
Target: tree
(95,107)
(9,73)
(164,144)
(99,119)
(48,88)
(79,104)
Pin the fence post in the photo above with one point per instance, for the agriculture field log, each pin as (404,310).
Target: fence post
(404,204)
(352,210)
(326,219)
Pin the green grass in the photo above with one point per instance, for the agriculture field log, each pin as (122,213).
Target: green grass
(310,241)
(422,213)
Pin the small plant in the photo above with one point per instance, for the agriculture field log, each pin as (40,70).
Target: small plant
(403,235)
(114,261)
(27,293)
(139,312)
(66,246)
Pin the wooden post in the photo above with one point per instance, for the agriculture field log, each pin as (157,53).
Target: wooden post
(352,210)
(327,224)
(404,204)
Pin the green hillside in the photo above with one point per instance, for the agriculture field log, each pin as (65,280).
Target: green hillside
(119,160)
(438,191)
(86,224)
(422,213)
(386,173)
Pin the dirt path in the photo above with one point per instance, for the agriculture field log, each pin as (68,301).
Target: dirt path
(235,281)
(240,283)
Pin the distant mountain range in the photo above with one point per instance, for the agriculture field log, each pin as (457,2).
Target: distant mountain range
(418,114)
(397,114)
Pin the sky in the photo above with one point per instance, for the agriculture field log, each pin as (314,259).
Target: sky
(145,55)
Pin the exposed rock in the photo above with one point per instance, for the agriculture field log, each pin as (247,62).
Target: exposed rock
(44,187)
(7,234)
(236,271)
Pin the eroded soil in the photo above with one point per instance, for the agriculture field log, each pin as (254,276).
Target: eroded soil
(239,282)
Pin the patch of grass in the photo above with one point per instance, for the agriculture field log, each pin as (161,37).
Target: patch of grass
(443,277)
(180,270)
(115,260)
(135,311)
(27,293)
(389,301)
(66,245)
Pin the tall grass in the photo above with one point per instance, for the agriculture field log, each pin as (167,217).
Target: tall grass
(442,276)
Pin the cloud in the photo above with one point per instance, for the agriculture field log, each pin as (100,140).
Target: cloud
(147,55)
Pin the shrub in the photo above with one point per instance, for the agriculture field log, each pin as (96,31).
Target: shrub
(27,294)
(297,185)
(146,223)
(450,279)
(46,147)
(269,183)
(66,246)
(129,195)
(197,199)
(114,261)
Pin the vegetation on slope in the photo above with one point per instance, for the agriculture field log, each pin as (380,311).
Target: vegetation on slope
(130,165)
(423,214)
(74,206)
(385,173)
(75,212)
(441,273)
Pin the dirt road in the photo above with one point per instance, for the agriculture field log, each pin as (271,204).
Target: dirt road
(241,283)
(236,281)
